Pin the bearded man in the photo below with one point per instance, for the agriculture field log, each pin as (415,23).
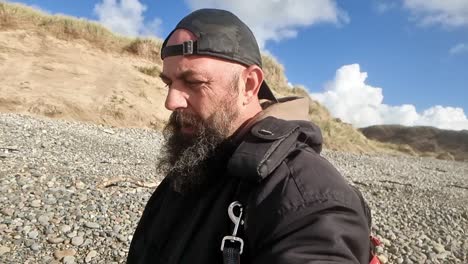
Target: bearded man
(244,178)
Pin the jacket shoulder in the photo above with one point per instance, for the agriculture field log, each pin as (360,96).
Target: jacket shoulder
(268,144)
(306,179)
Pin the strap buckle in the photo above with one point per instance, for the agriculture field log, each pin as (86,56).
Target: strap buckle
(233,240)
(237,220)
(187,47)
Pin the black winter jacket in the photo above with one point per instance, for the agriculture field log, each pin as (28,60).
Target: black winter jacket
(299,210)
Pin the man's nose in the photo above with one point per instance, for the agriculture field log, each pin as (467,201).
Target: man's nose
(175,99)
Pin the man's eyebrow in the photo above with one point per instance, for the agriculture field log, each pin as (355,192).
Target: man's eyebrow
(183,75)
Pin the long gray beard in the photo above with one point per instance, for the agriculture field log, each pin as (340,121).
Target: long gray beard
(189,160)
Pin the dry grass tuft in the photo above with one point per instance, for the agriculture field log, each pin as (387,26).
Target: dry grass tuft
(152,71)
(146,48)
(274,75)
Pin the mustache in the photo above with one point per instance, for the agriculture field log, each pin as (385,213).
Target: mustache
(179,119)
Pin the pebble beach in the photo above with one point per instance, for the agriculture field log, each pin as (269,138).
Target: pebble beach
(73,192)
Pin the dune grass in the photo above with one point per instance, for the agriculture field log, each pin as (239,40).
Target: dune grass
(152,71)
(17,16)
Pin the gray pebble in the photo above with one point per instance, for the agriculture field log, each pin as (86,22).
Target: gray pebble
(43,220)
(36,174)
(89,257)
(71,234)
(77,241)
(92,225)
(36,203)
(64,228)
(8,211)
(438,248)
(35,247)
(33,234)
(69,260)
(4,250)
(55,240)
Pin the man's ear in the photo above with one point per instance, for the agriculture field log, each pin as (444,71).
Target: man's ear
(253,76)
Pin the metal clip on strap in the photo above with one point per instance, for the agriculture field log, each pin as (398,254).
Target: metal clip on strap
(233,246)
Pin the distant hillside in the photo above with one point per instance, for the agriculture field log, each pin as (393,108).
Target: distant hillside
(68,68)
(427,141)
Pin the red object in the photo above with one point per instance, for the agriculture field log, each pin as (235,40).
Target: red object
(375,260)
(375,241)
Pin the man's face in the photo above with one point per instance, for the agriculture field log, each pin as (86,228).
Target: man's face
(198,86)
(203,95)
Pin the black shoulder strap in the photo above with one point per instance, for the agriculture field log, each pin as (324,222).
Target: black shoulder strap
(263,149)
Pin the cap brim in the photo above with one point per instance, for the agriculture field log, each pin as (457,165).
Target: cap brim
(266,93)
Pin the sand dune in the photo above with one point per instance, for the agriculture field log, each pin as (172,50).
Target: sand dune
(42,75)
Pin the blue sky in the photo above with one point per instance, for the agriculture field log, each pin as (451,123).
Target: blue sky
(370,62)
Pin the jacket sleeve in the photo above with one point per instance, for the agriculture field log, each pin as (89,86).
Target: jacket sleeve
(307,213)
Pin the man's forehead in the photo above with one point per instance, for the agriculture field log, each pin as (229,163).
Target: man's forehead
(179,36)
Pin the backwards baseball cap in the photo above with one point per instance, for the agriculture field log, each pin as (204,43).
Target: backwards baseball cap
(219,34)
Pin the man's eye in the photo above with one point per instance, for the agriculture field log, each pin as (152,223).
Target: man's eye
(194,82)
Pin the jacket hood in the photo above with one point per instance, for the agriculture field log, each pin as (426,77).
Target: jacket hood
(293,109)
(269,137)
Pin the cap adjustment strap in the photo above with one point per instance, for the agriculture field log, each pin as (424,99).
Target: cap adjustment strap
(189,47)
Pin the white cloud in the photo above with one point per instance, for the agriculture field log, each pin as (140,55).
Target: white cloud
(459,48)
(126,17)
(349,98)
(383,6)
(452,13)
(278,19)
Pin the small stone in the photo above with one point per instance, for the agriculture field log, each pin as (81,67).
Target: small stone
(87,242)
(386,242)
(4,250)
(77,241)
(382,258)
(28,243)
(379,250)
(80,185)
(51,200)
(69,260)
(55,240)
(122,238)
(35,247)
(92,254)
(465,214)
(36,203)
(33,234)
(36,174)
(8,211)
(83,197)
(443,255)
(65,228)
(43,220)
(60,254)
(438,248)
(117,228)
(71,234)
(92,225)
(108,131)
(49,260)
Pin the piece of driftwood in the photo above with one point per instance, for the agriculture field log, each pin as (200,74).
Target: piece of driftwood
(9,149)
(114,181)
